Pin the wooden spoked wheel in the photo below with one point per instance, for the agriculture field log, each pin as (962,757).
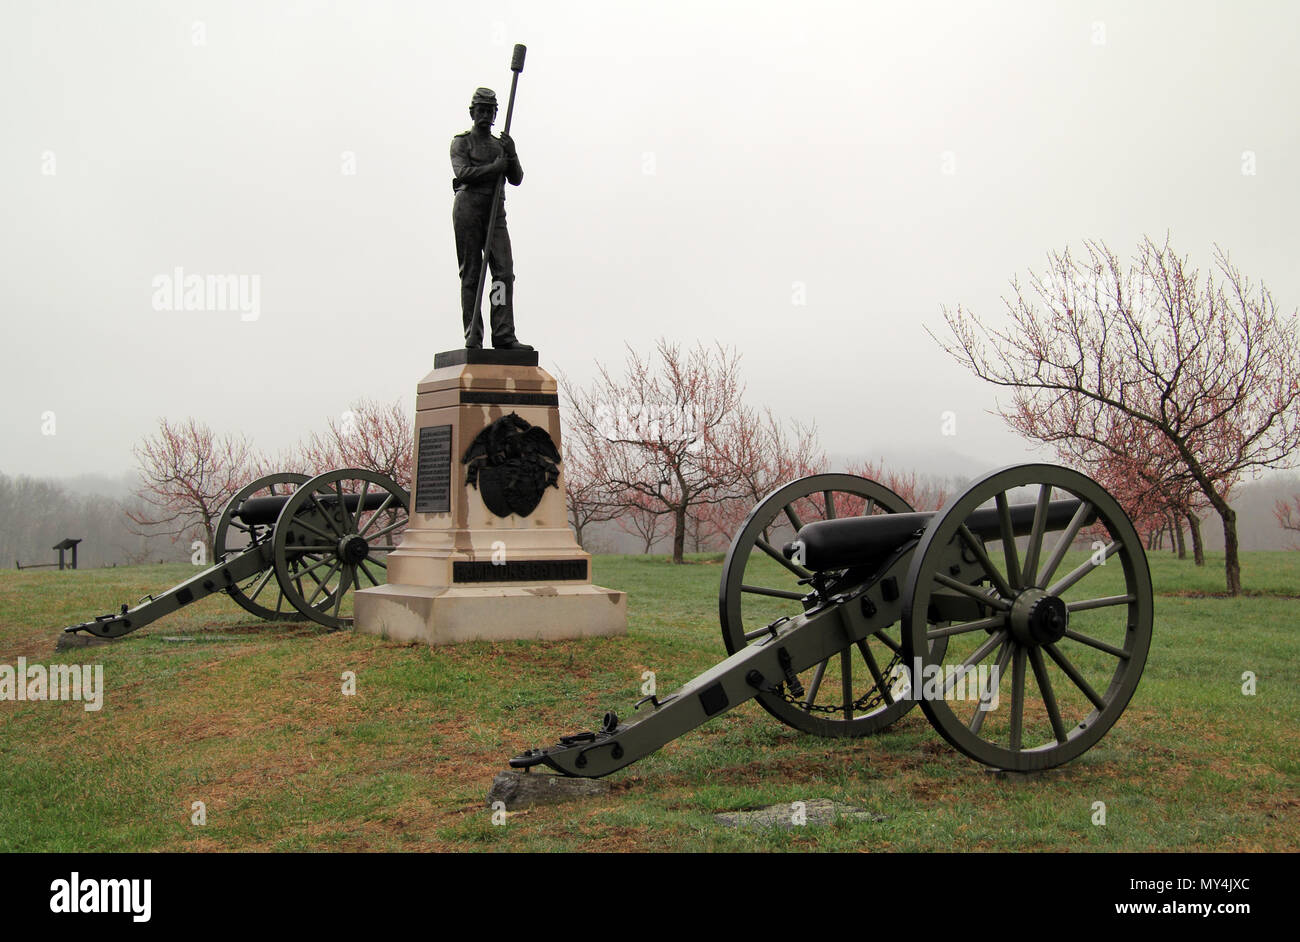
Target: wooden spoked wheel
(1059,645)
(334,534)
(260,594)
(849,694)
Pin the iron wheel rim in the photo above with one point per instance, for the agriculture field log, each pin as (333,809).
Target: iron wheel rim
(247,593)
(1072,713)
(316,522)
(869,659)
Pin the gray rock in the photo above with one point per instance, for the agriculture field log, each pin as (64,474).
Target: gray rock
(68,641)
(816,811)
(525,789)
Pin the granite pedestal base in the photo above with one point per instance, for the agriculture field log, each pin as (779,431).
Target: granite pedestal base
(463,572)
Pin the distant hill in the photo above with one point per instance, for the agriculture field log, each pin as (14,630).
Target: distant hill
(121,486)
(36,513)
(1257,528)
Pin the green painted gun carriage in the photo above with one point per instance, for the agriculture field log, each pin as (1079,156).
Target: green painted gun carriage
(1019,618)
(288,547)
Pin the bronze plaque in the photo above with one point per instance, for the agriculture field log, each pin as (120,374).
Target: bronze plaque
(433,471)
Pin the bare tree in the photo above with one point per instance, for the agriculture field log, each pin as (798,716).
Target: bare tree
(637,517)
(1287,513)
(369,435)
(655,432)
(762,455)
(188,474)
(1145,475)
(587,499)
(1101,355)
(921,494)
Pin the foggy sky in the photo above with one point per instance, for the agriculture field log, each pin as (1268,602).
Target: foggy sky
(687,167)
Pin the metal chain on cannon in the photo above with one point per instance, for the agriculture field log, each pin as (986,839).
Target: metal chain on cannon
(868,701)
(791,691)
(823,585)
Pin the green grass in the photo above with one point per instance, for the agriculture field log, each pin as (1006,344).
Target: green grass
(249,719)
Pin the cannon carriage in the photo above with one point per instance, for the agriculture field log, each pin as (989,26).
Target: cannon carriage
(287,547)
(1017,659)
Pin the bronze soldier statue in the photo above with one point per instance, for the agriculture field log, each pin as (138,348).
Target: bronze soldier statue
(478,161)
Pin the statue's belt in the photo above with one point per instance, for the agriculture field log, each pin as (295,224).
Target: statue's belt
(477,189)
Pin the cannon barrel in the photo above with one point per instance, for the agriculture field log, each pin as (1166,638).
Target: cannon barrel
(868,541)
(263,511)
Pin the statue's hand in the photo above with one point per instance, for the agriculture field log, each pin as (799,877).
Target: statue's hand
(508,143)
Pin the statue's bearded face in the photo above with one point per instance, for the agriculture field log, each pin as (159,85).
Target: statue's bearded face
(483,115)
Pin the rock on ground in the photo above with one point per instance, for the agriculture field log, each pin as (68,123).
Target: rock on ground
(525,789)
(789,815)
(80,639)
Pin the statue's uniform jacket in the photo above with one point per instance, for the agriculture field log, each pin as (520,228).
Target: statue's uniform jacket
(474,182)
(470,158)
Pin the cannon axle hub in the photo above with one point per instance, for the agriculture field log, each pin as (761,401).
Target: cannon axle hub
(1038,618)
(354,548)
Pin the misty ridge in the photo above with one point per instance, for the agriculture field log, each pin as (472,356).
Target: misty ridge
(1254,502)
(36,513)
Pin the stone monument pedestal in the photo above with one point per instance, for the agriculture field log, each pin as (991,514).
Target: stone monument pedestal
(488,553)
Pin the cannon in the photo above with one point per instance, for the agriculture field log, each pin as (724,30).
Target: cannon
(1021,647)
(287,547)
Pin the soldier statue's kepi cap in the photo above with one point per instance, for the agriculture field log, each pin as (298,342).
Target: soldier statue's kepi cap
(483,96)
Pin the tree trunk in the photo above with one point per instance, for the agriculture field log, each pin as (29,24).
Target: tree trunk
(1231,564)
(1198,548)
(679,533)
(1178,536)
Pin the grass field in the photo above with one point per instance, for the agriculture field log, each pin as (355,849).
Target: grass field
(249,718)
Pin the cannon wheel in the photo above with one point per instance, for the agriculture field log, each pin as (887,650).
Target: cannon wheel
(1074,663)
(746,605)
(323,550)
(261,595)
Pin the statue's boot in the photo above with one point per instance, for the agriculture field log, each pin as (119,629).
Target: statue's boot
(503,315)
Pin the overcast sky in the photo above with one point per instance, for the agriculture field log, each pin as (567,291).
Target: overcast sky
(692,171)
